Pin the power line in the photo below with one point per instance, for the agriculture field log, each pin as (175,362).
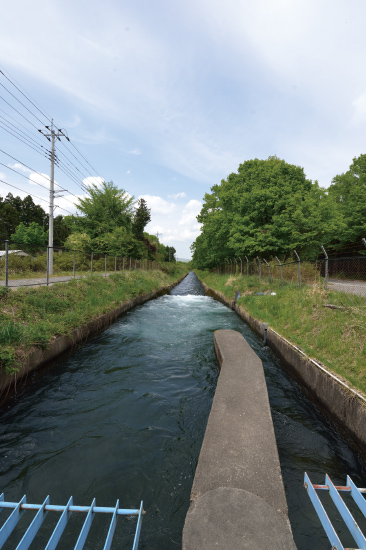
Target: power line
(35,196)
(36,150)
(39,173)
(18,123)
(20,132)
(15,97)
(37,183)
(19,113)
(34,105)
(64,144)
(21,87)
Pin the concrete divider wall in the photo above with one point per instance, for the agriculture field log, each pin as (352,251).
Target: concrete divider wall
(238,499)
(62,345)
(345,406)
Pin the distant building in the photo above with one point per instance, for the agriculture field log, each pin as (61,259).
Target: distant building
(16,252)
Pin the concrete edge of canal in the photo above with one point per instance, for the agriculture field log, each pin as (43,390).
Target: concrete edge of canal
(67,343)
(343,404)
(238,498)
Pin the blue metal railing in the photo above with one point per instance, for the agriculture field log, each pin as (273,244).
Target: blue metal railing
(334,492)
(19,508)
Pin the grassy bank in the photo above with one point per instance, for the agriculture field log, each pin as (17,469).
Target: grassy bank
(31,317)
(335,337)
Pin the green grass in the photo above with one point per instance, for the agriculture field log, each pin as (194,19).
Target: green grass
(335,337)
(31,317)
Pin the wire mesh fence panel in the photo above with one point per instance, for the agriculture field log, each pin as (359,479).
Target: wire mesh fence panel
(28,265)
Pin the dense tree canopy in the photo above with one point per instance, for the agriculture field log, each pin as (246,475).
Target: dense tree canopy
(348,190)
(140,219)
(14,210)
(267,208)
(33,235)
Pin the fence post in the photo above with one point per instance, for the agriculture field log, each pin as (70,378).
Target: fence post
(364,241)
(105,265)
(73,266)
(236,264)
(115,263)
(269,270)
(298,259)
(260,269)
(91,263)
(326,268)
(6,264)
(247,266)
(280,270)
(241,266)
(48,265)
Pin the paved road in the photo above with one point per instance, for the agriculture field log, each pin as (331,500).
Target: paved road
(14,283)
(352,287)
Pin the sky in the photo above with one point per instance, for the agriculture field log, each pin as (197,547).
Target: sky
(167,98)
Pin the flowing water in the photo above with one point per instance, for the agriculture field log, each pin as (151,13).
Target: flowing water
(124,417)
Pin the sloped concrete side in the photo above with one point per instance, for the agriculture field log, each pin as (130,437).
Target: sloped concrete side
(62,345)
(345,406)
(238,499)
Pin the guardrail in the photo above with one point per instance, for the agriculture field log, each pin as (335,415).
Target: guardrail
(334,492)
(19,508)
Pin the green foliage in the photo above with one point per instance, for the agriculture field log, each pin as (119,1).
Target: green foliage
(140,219)
(30,317)
(14,210)
(104,208)
(333,337)
(34,235)
(267,208)
(348,190)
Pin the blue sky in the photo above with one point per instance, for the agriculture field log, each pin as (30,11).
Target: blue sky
(166,98)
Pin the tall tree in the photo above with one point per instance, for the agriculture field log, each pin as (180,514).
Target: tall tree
(348,190)
(267,208)
(141,218)
(103,209)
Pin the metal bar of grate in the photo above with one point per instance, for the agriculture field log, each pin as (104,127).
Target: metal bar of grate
(334,492)
(19,508)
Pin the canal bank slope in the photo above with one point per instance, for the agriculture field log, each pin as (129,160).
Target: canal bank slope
(343,404)
(238,498)
(59,345)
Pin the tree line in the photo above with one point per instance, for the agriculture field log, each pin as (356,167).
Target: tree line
(107,222)
(269,208)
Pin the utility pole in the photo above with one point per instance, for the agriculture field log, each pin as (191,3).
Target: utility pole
(52,135)
(157,235)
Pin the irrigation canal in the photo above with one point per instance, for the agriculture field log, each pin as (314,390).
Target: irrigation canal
(124,417)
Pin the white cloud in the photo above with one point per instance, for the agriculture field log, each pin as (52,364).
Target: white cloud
(42,179)
(128,172)
(176,222)
(18,167)
(190,213)
(359,105)
(178,196)
(134,152)
(93,180)
(158,205)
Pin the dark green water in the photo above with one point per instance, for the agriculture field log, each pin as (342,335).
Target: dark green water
(124,417)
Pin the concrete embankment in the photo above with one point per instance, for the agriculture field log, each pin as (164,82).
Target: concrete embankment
(342,403)
(238,498)
(65,344)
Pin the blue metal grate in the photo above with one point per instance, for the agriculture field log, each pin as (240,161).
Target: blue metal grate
(334,492)
(19,508)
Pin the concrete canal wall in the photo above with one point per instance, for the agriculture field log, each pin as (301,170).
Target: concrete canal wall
(342,403)
(65,344)
(238,498)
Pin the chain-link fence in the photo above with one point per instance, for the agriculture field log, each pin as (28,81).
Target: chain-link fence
(346,274)
(29,265)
